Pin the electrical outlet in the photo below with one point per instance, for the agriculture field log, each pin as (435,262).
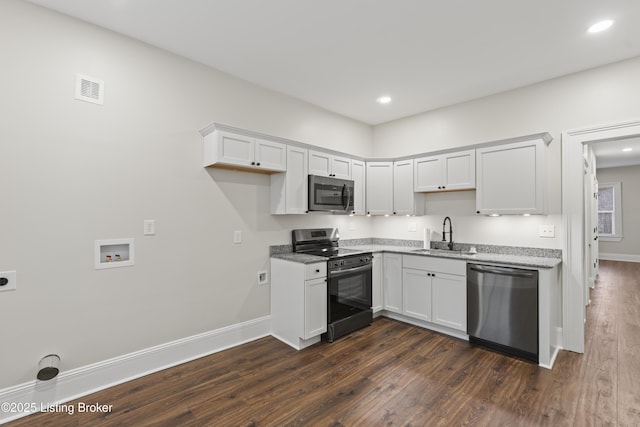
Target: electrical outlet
(7,281)
(547,231)
(237,236)
(263,278)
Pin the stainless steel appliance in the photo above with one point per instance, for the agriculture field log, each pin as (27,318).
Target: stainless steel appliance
(349,280)
(502,309)
(328,194)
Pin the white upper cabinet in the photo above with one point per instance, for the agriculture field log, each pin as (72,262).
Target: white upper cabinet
(358,174)
(379,188)
(289,189)
(445,172)
(227,149)
(325,164)
(405,201)
(511,178)
(390,189)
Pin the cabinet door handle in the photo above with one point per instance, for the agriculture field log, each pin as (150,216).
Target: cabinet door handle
(317,270)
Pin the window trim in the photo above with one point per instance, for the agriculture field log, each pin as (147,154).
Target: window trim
(617,212)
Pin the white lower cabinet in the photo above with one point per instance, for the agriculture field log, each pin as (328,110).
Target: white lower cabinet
(298,302)
(416,291)
(315,307)
(392,279)
(449,296)
(377,297)
(435,290)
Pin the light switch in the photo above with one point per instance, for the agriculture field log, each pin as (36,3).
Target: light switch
(149,227)
(237,236)
(547,231)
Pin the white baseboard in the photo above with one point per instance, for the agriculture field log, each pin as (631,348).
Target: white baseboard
(20,400)
(619,257)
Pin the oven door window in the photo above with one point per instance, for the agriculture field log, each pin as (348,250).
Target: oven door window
(349,291)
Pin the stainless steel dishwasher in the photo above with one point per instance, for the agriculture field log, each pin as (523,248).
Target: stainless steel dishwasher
(502,309)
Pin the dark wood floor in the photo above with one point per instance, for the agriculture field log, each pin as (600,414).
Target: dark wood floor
(396,374)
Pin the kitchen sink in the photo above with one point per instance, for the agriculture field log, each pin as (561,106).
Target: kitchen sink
(443,251)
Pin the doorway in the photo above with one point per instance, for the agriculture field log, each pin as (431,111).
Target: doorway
(575,254)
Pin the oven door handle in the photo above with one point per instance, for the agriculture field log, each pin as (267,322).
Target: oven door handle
(340,273)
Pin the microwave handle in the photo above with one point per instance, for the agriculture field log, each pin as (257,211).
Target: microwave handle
(348,191)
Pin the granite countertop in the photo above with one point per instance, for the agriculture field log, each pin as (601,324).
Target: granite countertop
(521,260)
(505,256)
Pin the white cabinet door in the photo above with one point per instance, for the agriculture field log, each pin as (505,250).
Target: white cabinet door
(319,163)
(392,282)
(341,167)
(358,175)
(315,307)
(510,178)
(235,149)
(270,155)
(297,185)
(459,170)
(379,188)
(405,201)
(449,300)
(324,164)
(377,286)
(427,174)
(416,293)
(289,189)
(446,172)
(222,148)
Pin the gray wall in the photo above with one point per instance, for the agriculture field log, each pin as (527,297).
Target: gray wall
(595,97)
(72,172)
(629,246)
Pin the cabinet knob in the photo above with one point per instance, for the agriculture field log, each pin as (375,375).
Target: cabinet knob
(433,274)
(394,213)
(443,187)
(253,163)
(477,212)
(317,270)
(258,164)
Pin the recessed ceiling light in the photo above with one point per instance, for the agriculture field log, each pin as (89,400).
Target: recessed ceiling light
(627,149)
(384,100)
(600,26)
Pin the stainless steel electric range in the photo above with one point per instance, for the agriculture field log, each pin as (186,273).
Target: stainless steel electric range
(349,280)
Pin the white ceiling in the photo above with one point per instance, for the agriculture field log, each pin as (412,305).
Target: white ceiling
(343,54)
(609,154)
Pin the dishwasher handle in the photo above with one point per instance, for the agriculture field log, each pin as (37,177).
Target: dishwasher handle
(504,271)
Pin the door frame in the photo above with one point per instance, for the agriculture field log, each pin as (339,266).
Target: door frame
(573,277)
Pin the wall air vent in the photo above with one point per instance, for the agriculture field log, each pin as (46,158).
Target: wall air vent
(89,89)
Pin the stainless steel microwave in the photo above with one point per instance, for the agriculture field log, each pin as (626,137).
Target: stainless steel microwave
(330,194)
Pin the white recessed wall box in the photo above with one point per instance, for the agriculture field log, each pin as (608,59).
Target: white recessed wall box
(114,253)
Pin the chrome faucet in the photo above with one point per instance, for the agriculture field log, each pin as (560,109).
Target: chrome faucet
(444,238)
